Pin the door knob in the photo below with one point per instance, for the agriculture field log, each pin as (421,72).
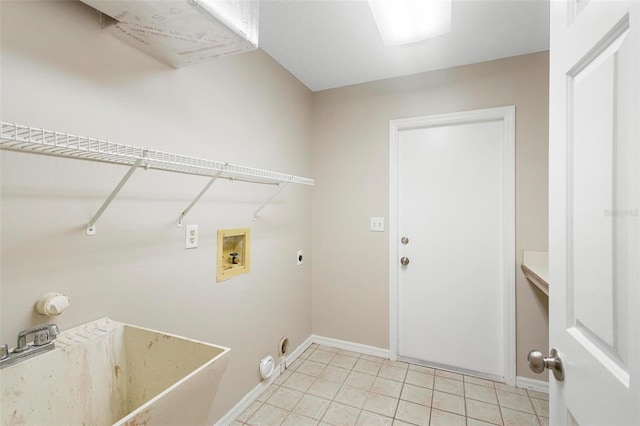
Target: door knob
(404,261)
(537,363)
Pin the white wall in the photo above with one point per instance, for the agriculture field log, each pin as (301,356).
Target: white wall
(61,71)
(351,168)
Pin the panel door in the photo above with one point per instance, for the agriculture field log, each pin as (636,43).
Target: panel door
(594,191)
(452,212)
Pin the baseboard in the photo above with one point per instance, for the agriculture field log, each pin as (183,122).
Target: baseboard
(253,394)
(320,340)
(299,350)
(533,384)
(351,346)
(244,403)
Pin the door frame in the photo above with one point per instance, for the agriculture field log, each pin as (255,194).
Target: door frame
(505,114)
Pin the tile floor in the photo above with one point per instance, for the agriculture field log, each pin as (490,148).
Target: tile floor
(329,386)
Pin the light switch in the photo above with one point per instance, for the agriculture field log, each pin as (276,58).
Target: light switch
(377,224)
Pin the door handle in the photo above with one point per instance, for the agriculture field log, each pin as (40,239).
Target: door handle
(404,261)
(537,363)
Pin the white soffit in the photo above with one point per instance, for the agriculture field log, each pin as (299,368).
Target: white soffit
(183,32)
(334,43)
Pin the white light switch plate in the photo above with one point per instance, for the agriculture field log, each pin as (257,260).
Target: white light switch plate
(377,224)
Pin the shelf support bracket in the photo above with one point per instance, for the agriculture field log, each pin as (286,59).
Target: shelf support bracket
(91,227)
(195,200)
(255,214)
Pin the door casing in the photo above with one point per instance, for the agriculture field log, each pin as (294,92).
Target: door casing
(505,114)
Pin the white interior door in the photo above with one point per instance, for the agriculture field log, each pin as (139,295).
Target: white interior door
(594,232)
(455,209)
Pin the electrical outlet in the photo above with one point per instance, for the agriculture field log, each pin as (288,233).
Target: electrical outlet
(299,258)
(377,224)
(191,237)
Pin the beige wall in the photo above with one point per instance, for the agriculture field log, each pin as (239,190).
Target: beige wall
(351,168)
(61,71)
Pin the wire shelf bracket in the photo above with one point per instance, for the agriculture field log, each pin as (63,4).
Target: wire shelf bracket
(91,226)
(281,187)
(33,140)
(195,200)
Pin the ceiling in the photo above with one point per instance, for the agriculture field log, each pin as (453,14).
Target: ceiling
(334,43)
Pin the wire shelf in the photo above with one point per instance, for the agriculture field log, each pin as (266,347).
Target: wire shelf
(34,140)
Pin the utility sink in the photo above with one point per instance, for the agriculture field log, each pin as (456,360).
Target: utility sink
(110,373)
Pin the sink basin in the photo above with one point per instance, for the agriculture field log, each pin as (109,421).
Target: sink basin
(110,373)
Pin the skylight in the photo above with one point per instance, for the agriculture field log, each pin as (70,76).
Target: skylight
(410,21)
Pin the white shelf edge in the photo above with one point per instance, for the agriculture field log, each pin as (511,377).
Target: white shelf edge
(15,137)
(535,265)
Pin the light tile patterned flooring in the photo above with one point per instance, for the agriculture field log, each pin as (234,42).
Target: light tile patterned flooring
(329,386)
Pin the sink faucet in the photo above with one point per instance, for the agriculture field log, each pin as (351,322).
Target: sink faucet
(42,335)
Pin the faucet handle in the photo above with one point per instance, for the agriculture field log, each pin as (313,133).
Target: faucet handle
(46,336)
(43,334)
(42,338)
(4,351)
(53,331)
